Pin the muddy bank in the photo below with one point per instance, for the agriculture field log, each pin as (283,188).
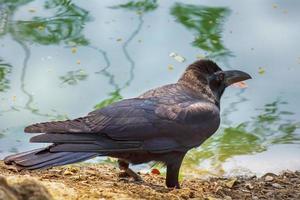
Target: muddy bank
(97,181)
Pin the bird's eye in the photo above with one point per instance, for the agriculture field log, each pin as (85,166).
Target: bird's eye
(220,77)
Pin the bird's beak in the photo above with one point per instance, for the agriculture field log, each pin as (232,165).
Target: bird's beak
(234,76)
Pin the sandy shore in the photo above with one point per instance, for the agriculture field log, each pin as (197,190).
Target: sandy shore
(99,181)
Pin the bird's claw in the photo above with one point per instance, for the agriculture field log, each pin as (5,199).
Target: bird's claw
(130,173)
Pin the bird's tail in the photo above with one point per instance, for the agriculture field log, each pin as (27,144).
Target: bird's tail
(43,158)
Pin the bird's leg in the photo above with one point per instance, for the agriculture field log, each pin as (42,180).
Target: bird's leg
(173,167)
(123,165)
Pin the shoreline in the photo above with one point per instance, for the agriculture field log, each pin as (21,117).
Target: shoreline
(101,181)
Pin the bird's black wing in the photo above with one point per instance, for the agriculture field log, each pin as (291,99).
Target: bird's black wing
(156,123)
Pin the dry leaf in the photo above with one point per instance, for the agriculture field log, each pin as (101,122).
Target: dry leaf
(177,57)
(261,70)
(155,171)
(74,50)
(170,67)
(32,10)
(41,28)
(199,56)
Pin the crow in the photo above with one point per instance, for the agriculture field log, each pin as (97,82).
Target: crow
(161,125)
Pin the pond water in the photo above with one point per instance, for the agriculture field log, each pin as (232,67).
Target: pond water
(60,59)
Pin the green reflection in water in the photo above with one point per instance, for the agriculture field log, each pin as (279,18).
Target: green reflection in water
(271,126)
(206,23)
(66,25)
(73,77)
(114,97)
(5,70)
(141,7)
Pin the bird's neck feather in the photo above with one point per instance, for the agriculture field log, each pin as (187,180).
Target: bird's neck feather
(198,83)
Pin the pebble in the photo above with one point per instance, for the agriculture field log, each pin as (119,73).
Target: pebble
(269,178)
(68,172)
(249,186)
(255,198)
(227,198)
(277,185)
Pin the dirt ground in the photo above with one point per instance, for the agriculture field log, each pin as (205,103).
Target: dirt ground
(99,181)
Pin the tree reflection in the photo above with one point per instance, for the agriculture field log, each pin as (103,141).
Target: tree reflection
(66,25)
(73,77)
(206,23)
(271,126)
(140,7)
(5,69)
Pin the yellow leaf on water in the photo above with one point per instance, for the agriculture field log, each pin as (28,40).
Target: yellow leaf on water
(78,62)
(32,10)
(177,57)
(14,98)
(170,67)
(41,28)
(261,70)
(199,56)
(274,5)
(74,50)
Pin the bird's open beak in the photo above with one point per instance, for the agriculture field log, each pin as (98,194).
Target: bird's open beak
(234,76)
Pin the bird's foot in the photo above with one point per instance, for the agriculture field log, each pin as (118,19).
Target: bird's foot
(130,173)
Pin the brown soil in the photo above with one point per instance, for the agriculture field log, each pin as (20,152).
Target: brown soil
(98,181)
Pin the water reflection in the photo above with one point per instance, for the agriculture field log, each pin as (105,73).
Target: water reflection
(5,70)
(270,126)
(73,77)
(66,25)
(140,7)
(206,22)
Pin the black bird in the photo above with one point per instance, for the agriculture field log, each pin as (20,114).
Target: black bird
(159,125)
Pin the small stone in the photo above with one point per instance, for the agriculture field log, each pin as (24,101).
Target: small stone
(68,172)
(91,172)
(227,198)
(74,169)
(77,178)
(249,186)
(269,178)
(277,185)
(230,183)
(255,198)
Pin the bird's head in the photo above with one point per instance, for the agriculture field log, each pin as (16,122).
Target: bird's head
(208,78)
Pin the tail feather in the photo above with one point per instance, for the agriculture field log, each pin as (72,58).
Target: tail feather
(85,142)
(43,158)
